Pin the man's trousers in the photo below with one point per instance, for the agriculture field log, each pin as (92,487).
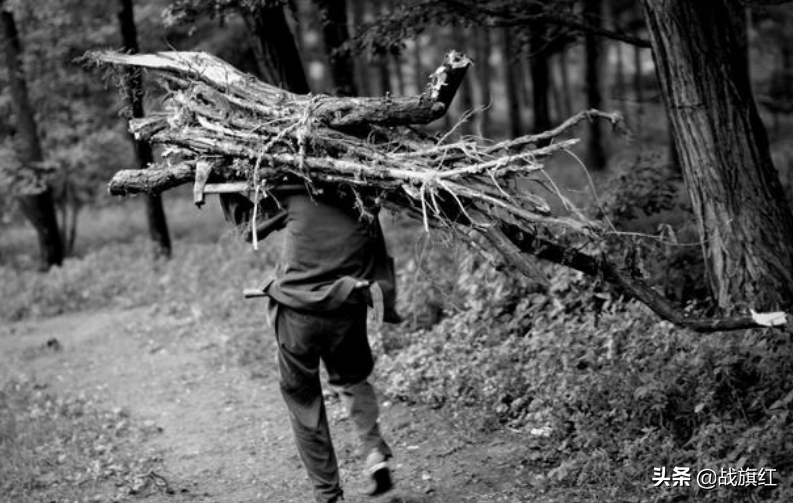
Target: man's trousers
(339,339)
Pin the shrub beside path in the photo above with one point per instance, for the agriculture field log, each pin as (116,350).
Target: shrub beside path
(217,428)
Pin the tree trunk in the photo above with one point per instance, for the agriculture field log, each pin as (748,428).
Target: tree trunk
(38,208)
(619,70)
(540,79)
(333,17)
(275,48)
(744,220)
(596,154)
(361,63)
(638,90)
(513,104)
(155,214)
(565,78)
(381,60)
(483,74)
(465,95)
(419,75)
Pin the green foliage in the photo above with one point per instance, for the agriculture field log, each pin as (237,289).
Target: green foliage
(617,391)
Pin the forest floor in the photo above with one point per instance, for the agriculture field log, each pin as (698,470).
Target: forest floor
(214,427)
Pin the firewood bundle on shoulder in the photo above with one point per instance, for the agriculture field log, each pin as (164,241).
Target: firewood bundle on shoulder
(225,131)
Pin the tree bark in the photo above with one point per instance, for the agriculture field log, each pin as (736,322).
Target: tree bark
(333,16)
(155,213)
(596,154)
(744,220)
(540,79)
(275,48)
(38,208)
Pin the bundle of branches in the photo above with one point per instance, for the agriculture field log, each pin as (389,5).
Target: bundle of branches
(228,132)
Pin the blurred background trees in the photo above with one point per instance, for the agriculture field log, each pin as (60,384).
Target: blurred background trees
(536,63)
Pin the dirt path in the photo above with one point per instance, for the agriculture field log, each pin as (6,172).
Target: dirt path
(222,429)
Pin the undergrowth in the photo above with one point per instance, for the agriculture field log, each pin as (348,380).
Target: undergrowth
(617,391)
(206,276)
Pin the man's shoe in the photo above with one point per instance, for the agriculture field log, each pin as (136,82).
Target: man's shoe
(379,474)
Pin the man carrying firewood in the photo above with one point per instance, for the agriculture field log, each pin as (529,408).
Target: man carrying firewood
(331,258)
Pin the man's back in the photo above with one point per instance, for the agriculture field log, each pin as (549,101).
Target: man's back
(327,249)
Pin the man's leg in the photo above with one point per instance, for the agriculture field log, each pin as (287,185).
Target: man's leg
(348,359)
(298,362)
(361,403)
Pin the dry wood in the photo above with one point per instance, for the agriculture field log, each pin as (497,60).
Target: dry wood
(226,131)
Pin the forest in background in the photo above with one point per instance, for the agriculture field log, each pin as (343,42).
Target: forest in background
(615,386)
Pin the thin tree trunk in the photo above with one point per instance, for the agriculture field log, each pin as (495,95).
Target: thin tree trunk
(540,79)
(465,95)
(744,219)
(419,78)
(39,208)
(619,52)
(619,70)
(333,17)
(381,60)
(155,213)
(556,92)
(513,104)
(71,238)
(638,90)
(483,75)
(565,78)
(596,154)
(524,82)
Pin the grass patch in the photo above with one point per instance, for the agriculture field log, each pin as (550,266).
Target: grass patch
(204,276)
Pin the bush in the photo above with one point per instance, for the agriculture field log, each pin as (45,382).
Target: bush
(647,201)
(618,391)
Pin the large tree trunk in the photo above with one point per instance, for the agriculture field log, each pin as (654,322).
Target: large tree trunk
(275,48)
(39,208)
(596,158)
(540,78)
(745,222)
(155,214)
(333,16)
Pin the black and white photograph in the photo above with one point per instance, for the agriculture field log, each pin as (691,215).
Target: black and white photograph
(396,251)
